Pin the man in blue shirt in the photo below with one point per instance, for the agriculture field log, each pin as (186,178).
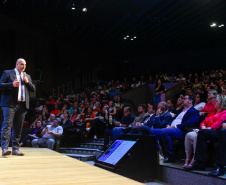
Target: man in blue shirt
(126,120)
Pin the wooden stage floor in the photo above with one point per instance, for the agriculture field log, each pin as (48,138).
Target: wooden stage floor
(44,166)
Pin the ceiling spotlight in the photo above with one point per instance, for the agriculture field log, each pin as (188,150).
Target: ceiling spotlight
(73,8)
(127,36)
(222,25)
(132,39)
(84,9)
(213,25)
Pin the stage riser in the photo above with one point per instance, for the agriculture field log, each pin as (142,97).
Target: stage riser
(92,145)
(180,177)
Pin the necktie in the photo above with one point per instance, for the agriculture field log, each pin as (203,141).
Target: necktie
(146,119)
(22,90)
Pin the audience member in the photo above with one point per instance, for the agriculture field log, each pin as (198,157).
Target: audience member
(188,118)
(213,121)
(49,133)
(159,88)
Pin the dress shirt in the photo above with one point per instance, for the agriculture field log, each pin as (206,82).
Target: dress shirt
(20,75)
(179,118)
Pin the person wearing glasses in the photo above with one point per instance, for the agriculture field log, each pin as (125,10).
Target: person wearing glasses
(187,119)
(209,107)
(213,130)
(213,121)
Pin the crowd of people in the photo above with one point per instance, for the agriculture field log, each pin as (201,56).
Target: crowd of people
(196,114)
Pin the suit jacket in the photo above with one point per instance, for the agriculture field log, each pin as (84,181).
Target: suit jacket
(10,94)
(163,120)
(189,120)
(139,119)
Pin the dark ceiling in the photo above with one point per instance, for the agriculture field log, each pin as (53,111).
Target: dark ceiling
(159,25)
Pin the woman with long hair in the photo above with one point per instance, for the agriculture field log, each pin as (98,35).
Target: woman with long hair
(213,121)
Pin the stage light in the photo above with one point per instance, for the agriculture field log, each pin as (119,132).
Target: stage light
(84,9)
(127,36)
(73,8)
(213,25)
(222,25)
(134,37)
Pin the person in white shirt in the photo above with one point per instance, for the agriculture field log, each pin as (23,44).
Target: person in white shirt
(49,133)
(188,118)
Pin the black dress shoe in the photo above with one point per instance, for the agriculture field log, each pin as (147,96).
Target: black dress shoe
(217,172)
(17,152)
(5,152)
(195,166)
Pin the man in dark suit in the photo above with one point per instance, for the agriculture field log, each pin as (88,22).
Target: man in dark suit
(144,117)
(188,118)
(160,119)
(16,85)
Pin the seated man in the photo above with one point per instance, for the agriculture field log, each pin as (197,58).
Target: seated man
(188,118)
(125,122)
(48,135)
(160,119)
(117,131)
(50,120)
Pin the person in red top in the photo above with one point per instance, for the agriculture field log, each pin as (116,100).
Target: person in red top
(51,100)
(213,121)
(209,107)
(56,110)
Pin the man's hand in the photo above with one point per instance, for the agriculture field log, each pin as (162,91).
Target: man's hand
(159,112)
(170,127)
(16,83)
(49,132)
(117,124)
(138,124)
(25,79)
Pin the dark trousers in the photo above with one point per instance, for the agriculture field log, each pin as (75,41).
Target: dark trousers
(97,128)
(29,137)
(165,136)
(145,130)
(206,135)
(108,134)
(12,118)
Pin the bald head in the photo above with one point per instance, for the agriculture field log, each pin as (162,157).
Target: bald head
(21,65)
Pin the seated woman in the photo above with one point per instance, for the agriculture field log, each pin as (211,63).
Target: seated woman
(75,116)
(36,134)
(119,107)
(176,111)
(98,125)
(112,112)
(209,107)
(199,101)
(213,122)
(87,118)
(97,108)
(39,118)
(66,124)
